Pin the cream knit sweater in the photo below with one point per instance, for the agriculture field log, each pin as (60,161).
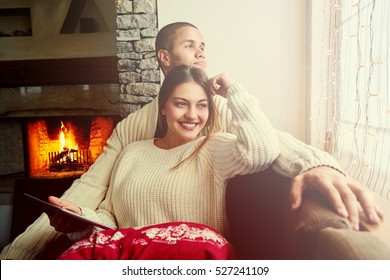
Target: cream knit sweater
(144,190)
(88,191)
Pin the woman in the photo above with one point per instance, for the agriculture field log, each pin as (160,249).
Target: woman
(172,188)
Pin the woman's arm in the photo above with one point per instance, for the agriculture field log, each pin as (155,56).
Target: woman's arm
(253,145)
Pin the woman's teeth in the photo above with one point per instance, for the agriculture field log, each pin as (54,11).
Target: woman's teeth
(189,125)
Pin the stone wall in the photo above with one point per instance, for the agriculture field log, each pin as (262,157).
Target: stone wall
(139,74)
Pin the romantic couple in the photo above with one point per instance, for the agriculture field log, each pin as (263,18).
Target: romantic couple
(162,177)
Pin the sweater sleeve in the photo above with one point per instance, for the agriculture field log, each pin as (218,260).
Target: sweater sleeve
(103,214)
(252,144)
(90,189)
(295,156)
(104,217)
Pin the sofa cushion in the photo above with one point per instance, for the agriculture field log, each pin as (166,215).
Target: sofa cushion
(309,220)
(344,244)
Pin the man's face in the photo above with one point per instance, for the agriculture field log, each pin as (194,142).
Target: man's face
(188,49)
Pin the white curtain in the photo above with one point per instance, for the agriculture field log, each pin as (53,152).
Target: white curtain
(359,79)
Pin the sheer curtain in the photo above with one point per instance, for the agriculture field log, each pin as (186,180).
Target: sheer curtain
(359,77)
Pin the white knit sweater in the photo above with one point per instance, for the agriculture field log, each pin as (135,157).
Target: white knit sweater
(144,190)
(88,191)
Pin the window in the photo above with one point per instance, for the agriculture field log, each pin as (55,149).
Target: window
(360,77)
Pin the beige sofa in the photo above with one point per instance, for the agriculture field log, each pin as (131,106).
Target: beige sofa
(262,226)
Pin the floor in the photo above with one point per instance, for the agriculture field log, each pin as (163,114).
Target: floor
(6,206)
(5,224)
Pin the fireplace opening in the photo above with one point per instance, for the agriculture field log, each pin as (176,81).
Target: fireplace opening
(64,146)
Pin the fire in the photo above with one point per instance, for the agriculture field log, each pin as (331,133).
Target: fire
(68,145)
(67,139)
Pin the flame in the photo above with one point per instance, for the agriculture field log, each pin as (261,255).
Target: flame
(67,138)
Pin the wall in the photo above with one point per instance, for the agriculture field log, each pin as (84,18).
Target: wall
(260,43)
(46,43)
(139,75)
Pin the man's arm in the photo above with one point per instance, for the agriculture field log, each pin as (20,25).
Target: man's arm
(313,168)
(297,157)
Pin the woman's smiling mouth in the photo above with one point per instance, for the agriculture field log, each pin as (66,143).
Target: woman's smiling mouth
(188,125)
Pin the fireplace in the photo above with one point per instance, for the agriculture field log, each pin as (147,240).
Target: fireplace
(57,150)
(64,146)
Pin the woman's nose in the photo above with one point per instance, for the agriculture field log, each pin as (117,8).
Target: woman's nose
(190,114)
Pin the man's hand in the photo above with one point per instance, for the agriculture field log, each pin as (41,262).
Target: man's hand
(62,222)
(344,193)
(219,84)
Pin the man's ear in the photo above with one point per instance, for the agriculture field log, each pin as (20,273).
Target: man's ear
(163,57)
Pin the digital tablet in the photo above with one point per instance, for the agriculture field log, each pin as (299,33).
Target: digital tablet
(67,213)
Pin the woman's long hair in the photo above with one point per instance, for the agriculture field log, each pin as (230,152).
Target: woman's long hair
(185,74)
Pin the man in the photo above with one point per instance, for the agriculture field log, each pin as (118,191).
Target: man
(178,44)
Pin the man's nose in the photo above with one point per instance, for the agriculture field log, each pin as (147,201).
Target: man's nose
(200,53)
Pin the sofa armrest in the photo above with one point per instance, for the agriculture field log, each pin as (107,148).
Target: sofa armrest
(262,225)
(257,207)
(343,244)
(315,215)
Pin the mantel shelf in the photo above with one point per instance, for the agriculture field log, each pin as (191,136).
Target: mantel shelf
(88,70)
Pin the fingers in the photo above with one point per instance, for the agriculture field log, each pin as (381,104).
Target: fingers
(345,194)
(333,186)
(350,203)
(65,204)
(338,199)
(219,84)
(321,184)
(373,213)
(55,200)
(296,192)
(214,85)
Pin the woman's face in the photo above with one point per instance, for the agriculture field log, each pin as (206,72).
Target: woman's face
(186,112)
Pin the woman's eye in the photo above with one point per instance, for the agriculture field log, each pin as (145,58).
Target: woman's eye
(180,104)
(203,105)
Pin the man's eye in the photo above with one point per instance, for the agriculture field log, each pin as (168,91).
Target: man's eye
(188,46)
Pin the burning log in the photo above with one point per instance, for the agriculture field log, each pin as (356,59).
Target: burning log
(69,160)
(62,156)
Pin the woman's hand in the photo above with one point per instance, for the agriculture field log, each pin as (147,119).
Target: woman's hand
(219,84)
(61,221)
(65,204)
